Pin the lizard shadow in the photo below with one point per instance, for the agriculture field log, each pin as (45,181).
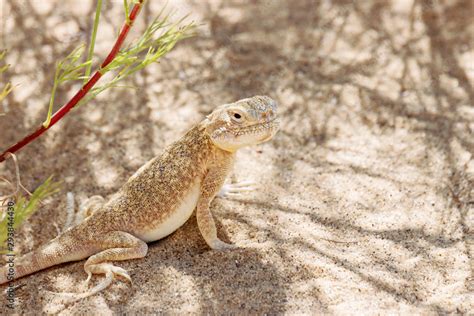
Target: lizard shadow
(178,266)
(209,281)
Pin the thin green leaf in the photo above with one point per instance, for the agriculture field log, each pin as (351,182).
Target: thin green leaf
(90,53)
(157,40)
(24,208)
(6,90)
(67,69)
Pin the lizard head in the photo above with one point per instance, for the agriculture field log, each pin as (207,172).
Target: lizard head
(245,122)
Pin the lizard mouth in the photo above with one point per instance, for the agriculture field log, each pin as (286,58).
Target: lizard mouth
(267,130)
(254,134)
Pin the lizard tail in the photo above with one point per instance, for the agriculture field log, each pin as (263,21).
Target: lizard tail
(16,268)
(54,252)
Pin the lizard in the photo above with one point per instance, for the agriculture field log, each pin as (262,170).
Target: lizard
(160,197)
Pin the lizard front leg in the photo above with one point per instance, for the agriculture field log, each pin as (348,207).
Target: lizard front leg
(212,183)
(207,227)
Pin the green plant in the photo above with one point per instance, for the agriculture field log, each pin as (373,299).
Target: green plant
(90,53)
(135,57)
(68,69)
(24,208)
(8,87)
(144,51)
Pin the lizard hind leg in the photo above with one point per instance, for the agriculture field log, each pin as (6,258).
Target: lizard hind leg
(116,246)
(88,207)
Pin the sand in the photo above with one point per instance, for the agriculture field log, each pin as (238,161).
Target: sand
(365,199)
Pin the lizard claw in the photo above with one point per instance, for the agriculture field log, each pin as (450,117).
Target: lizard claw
(121,273)
(236,189)
(89,276)
(222,246)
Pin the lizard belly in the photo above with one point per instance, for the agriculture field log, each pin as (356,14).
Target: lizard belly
(178,216)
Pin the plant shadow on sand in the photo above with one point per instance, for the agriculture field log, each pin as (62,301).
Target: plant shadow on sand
(375,147)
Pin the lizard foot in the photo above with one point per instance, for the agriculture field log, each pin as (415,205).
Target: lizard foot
(108,268)
(236,189)
(88,207)
(119,272)
(110,272)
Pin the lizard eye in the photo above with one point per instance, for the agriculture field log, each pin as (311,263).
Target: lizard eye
(237,116)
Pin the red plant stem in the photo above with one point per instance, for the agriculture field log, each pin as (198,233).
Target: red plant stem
(84,90)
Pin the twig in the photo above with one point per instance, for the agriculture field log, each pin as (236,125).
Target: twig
(342,241)
(18,182)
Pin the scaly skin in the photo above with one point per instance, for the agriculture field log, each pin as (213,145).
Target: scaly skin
(119,228)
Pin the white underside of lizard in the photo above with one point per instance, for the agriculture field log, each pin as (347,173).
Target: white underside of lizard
(178,217)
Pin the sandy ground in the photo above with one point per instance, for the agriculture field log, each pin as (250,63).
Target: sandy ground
(375,152)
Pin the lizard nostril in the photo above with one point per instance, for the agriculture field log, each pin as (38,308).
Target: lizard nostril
(271,113)
(268,115)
